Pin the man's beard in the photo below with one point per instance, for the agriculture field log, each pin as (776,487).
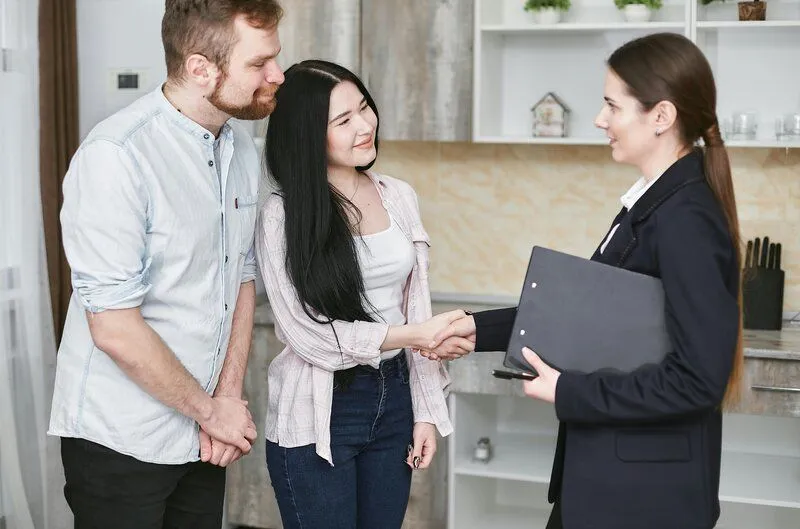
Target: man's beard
(261,106)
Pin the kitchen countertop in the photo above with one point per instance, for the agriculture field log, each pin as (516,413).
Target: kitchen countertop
(778,345)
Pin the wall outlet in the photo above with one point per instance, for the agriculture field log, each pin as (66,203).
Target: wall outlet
(127,80)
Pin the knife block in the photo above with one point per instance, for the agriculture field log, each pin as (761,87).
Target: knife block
(762,293)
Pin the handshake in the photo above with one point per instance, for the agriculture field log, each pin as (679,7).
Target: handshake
(227,430)
(448,336)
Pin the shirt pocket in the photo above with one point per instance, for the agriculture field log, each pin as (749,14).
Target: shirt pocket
(246,217)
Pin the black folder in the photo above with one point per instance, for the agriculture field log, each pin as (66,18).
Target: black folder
(582,315)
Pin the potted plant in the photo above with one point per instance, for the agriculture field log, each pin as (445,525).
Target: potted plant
(748,10)
(546,11)
(637,10)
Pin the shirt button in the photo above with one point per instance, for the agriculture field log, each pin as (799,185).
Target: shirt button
(226,258)
(211,163)
(205,136)
(226,306)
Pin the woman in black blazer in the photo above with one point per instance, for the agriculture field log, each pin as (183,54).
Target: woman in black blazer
(642,450)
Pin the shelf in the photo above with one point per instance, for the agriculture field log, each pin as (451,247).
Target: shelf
(719,15)
(755,479)
(583,15)
(491,503)
(757,490)
(764,144)
(516,457)
(737,144)
(511,518)
(542,141)
(580,26)
(760,479)
(735,24)
(517,61)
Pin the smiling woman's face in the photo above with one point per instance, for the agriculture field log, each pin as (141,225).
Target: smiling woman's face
(629,129)
(351,128)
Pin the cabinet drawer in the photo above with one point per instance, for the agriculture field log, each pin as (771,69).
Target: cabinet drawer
(771,387)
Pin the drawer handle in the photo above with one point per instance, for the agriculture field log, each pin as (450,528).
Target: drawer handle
(777,389)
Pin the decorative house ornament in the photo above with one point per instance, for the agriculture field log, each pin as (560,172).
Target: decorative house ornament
(550,116)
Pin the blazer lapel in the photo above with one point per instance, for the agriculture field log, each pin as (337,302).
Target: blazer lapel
(686,171)
(615,250)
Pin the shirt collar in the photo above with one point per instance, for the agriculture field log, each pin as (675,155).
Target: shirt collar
(636,191)
(376,177)
(188,125)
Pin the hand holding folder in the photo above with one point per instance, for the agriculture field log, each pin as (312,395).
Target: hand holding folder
(582,315)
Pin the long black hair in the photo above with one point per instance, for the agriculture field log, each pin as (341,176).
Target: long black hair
(321,254)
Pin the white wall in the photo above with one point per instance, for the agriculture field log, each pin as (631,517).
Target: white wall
(116,35)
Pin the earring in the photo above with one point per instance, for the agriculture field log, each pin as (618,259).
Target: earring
(658,132)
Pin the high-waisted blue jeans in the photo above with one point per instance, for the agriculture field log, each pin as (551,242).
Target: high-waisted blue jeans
(368,487)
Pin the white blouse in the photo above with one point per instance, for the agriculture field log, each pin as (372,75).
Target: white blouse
(386,259)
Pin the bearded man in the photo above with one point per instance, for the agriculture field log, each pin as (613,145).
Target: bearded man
(158,227)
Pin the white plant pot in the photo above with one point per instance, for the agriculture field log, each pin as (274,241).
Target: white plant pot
(548,15)
(637,13)
(530,17)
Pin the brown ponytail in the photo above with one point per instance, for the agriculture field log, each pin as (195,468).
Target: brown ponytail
(670,67)
(718,176)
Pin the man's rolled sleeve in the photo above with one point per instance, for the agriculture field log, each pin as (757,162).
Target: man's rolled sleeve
(104,226)
(249,269)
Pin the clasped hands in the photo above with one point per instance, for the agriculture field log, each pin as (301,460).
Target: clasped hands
(228,432)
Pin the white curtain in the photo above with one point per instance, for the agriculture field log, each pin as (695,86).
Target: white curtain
(30,471)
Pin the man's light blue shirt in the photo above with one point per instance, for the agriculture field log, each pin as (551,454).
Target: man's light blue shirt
(149,222)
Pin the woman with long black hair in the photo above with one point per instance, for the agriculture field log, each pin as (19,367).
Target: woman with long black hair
(344,258)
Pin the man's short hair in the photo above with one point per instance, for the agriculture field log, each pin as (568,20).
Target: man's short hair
(206,27)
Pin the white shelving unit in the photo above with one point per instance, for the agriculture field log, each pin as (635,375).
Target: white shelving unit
(517,61)
(760,476)
(511,490)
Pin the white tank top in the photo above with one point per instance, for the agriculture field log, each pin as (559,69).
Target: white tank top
(386,259)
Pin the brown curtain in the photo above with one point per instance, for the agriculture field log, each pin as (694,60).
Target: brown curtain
(58,110)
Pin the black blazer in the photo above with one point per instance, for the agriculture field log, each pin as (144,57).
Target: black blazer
(642,450)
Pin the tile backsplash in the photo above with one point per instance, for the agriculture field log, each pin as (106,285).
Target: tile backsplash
(484,206)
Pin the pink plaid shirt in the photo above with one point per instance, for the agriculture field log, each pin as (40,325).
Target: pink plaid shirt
(301,376)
